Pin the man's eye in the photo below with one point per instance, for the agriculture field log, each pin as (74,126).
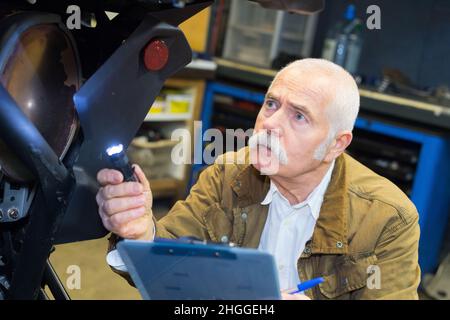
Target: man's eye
(271,104)
(299,117)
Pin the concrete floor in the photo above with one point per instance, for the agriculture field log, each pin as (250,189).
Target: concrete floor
(98,281)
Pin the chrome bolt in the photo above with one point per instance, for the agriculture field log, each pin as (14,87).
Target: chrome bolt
(13,213)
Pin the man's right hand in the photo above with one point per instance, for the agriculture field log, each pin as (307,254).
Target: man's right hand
(125,207)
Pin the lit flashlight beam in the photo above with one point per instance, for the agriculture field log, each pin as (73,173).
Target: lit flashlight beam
(116,149)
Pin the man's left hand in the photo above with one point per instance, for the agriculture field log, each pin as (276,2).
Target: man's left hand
(285,295)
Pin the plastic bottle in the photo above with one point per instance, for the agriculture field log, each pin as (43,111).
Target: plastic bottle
(354,48)
(342,38)
(329,45)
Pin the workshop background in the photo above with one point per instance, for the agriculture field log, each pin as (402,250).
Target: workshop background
(402,132)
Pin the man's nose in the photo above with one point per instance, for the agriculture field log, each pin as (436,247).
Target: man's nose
(274,123)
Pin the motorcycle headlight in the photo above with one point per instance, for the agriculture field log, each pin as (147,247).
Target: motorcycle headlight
(39,67)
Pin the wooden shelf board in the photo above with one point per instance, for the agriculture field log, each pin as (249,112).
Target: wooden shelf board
(166,143)
(164,186)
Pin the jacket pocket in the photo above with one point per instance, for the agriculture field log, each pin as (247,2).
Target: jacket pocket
(350,274)
(217,224)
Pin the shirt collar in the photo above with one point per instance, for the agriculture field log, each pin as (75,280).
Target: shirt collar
(314,199)
(269,197)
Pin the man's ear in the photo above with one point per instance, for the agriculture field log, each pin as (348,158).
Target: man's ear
(340,143)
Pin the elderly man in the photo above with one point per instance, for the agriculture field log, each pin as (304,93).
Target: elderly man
(298,196)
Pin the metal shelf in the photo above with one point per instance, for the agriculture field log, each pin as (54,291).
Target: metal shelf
(157,117)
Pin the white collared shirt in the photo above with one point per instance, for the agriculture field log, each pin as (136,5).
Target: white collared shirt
(288,228)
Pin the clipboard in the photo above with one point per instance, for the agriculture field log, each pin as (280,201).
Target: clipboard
(192,270)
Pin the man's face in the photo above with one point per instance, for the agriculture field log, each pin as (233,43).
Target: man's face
(294,111)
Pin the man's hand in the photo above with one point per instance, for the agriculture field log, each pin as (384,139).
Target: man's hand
(286,296)
(125,207)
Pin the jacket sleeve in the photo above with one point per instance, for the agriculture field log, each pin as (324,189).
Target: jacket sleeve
(397,262)
(186,218)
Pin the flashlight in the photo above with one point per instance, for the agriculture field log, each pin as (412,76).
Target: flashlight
(120,162)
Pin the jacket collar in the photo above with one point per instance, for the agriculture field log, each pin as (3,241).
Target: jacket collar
(250,186)
(330,232)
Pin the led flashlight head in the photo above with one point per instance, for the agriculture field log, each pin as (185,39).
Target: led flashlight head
(119,160)
(114,150)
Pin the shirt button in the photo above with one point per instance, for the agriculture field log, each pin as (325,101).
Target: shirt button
(244,215)
(339,244)
(224,239)
(307,250)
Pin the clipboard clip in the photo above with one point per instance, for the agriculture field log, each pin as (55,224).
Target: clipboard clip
(194,241)
(191,246)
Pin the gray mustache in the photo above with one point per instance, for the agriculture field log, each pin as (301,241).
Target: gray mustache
(271,142)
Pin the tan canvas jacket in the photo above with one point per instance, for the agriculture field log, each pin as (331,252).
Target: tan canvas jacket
(365,242)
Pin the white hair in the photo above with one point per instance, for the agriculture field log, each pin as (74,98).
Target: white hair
(344,101)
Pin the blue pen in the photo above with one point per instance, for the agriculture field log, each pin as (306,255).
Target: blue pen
(308,285)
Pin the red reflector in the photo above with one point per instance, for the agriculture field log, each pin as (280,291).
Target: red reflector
(156,55)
